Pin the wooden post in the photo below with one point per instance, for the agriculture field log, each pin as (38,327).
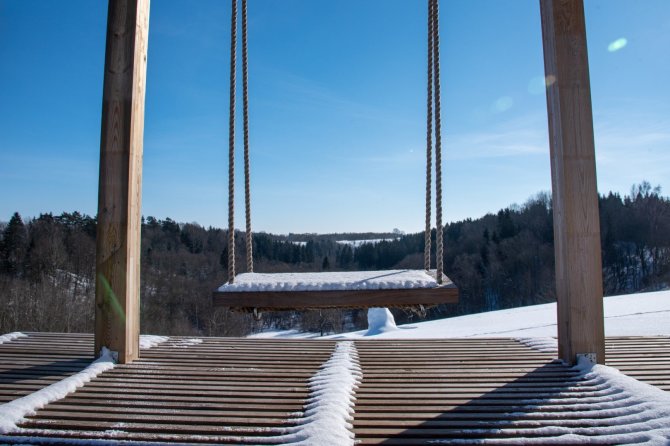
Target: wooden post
(117,293)
(579,289)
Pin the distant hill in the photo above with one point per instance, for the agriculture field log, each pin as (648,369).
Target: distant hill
(498,261)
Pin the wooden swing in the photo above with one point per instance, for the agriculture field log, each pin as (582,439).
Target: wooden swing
(415,289)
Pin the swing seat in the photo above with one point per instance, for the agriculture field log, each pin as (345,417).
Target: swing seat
(351,289)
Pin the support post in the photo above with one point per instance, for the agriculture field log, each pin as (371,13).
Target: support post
(579,289)
(117,293)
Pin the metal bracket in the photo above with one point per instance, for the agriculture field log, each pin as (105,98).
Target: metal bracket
(590,357)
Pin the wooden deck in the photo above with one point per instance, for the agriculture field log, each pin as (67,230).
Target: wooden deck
(31,363)
(249,391)
(644,358)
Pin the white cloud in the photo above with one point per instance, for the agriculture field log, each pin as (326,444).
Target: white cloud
(632,149)
(522,136)
(298,94)
(502,104)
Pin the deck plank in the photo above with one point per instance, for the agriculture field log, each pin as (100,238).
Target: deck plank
(30,363)
(249,391)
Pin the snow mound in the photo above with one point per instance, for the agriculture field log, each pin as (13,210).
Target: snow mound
(149,341)
(9,337)
(329,410)
(380,320)
(14,411)
(646,417)
(331,281)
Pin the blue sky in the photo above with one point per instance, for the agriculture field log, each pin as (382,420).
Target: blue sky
(337,108)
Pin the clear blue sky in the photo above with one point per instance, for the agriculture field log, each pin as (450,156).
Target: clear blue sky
(337,108)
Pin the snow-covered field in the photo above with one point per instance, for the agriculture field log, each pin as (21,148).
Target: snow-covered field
(357,243)
(643,314)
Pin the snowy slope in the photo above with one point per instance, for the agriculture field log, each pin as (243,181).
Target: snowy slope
(643,314)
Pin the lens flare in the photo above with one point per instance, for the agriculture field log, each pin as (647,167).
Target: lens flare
(617,45)
(537,85)
(502,104)
(550,80)
(111,299)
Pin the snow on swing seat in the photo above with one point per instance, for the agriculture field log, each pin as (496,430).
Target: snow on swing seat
(346,289)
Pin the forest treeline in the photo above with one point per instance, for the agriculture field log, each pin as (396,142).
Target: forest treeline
(502,260)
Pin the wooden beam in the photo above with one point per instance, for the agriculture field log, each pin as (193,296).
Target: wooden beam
(579,289)
(117,300)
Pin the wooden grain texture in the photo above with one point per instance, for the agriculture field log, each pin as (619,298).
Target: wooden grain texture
(250,391)
(120,184)
(645,358)
(220,391)
(446,293)
(411,394)
(28,364)
(579,289)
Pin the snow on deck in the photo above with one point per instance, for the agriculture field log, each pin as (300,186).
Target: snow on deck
(14,411)
(635,412)
(329,410)
(9,337)
(394,387)
(547,345)
(185,342)
(331,281)
(149,341)
(646,417)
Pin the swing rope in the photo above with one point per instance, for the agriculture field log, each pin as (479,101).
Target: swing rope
(231,143)
(433,103)
(433,97)
(247,181)
(429,139)
(439,254)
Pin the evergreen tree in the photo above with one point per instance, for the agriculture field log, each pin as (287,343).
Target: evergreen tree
(344,257)
(14,246)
